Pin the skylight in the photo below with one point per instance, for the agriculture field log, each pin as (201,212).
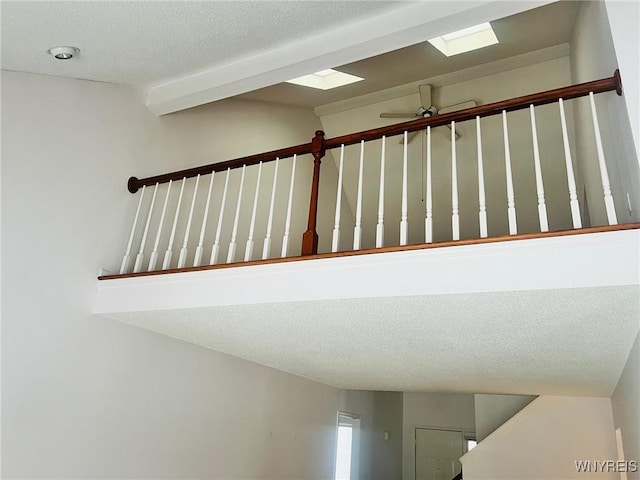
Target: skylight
(465,40)
(326,79)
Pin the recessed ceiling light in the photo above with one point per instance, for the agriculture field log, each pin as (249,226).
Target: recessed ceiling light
(326,79)
(465,40)
(64,53)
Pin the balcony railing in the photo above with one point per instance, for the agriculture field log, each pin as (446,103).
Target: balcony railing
(200,217)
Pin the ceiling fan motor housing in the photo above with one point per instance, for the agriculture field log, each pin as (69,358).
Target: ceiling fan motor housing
(427,112)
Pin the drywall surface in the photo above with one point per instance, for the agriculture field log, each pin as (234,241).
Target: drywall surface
(593,56)
(487,89)
(436,410)
(493,410)
(624,18)
(87,397)
(544,441)
(386,461)
(625,403)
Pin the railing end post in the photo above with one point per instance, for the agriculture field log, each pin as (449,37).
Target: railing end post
(618,80)
(132,185)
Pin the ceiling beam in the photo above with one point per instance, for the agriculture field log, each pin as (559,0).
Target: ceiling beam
(396,29)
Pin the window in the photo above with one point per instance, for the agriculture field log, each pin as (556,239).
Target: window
(347,447)
(466,40)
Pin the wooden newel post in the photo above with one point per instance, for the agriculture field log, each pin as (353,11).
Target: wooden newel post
(310,237)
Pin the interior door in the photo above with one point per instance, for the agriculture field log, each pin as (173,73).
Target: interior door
(437,453)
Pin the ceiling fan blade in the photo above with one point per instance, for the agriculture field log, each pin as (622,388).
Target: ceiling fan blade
(399,115)
(457,107)
(447,132)
(425,95)
(410,136)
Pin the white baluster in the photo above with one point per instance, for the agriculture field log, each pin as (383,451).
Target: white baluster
(482,202)
(153,259)
(455,217)
(200,248)
(357,230)
(571,181)
(606,186)
(182,259)
(380,225)
(404,214)
(169,253)
(511,201)
(125,260)
(248,251)
(428,221)
(140,257)
(266,248)
(216,243)
(542,207)
(336,226)
(287,225)
(234,234)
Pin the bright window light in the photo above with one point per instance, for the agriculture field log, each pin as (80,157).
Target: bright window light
(465,40)
(326,79)
(343,456)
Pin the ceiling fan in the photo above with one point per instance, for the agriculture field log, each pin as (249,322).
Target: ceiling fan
(427,109)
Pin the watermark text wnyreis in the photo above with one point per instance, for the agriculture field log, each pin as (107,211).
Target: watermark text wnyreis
(611,466)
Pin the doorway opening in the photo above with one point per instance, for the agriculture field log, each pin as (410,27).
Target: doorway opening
(438,452)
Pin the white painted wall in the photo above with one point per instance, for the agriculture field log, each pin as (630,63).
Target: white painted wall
(486,89)
(544,440)
(386,461)
(625,403)
(85,396)
(436,410)
(494,410)
(624,18)
(593,56)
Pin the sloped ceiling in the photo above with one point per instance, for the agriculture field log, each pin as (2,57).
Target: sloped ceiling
(528,31)
(183,54)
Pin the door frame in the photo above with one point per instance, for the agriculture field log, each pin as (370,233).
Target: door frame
(466,435)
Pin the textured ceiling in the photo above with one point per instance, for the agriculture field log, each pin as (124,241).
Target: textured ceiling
(534,29)
(566,341)
(551,315)
(148,42)
(151,43)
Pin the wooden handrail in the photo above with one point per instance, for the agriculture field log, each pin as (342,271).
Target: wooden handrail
(135,183)
(541,98)
(318,146)
(518,103)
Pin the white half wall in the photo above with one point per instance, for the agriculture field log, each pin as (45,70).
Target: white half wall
(544,441)
(494,410)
